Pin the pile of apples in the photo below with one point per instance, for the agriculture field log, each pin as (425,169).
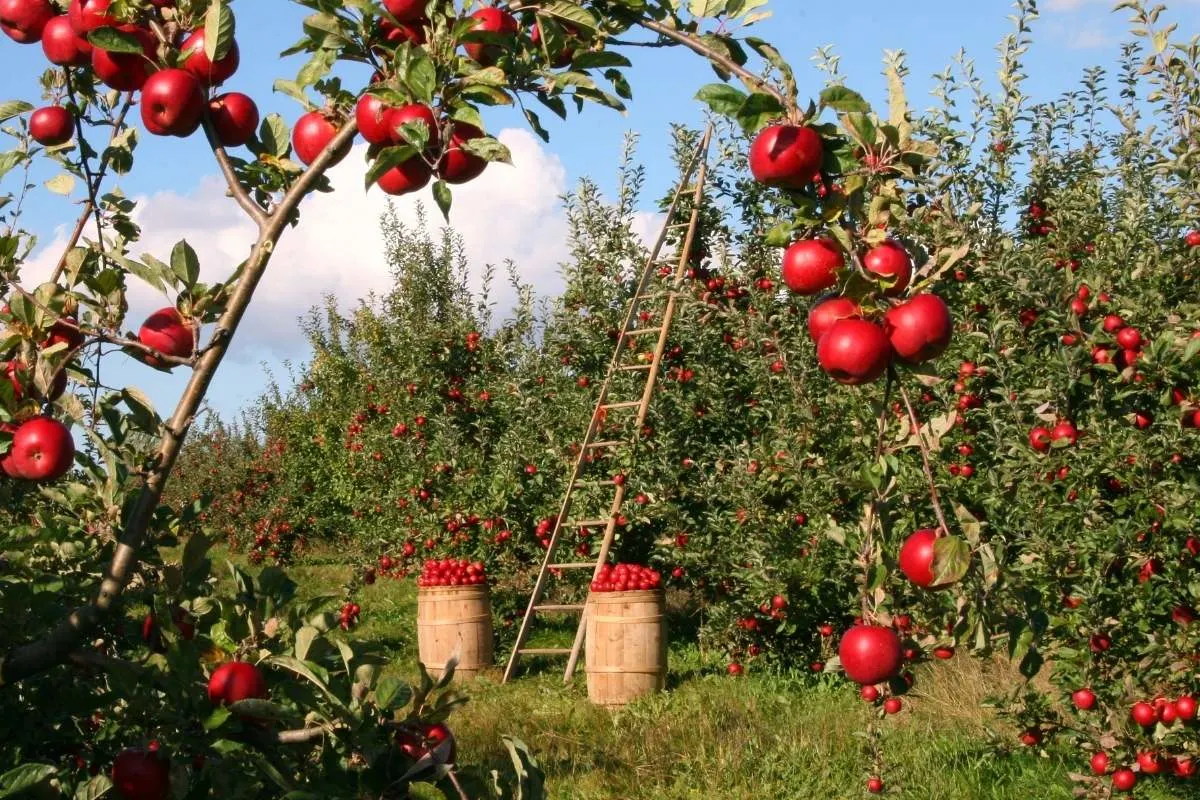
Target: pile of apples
(452,572)
(853,347)
(626,578)
(349,616)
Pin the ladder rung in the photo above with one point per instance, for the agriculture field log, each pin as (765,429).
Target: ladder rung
(582,484)
(640,331)
(633,367)
(624,404)
(600,445)
(574,565)
(680,224)
(544,651)
(585,523)
(560,609)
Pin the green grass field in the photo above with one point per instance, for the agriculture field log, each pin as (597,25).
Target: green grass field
(710,736)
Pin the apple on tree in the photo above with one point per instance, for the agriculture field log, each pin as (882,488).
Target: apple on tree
(786,156)
(63,46)
(499,26)
(172,103)
(51,126)
(458,165)
(870,654)
(169,333)
(919,329)
(42,450)
(234,118)
(141,774)
(196,61)
(828,310)
(854,351)
(312,134)
(812,265)
(126,72)
(23,21)
(891,262)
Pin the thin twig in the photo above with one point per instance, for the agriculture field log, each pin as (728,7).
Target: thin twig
(872,515)
(236,188)
(924,448)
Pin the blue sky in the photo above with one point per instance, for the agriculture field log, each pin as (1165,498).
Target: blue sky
(183,199)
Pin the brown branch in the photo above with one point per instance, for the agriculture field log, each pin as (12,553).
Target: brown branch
(924,448)
(30,659)
(299,736)
(236,188)
(93,660)
(90,206)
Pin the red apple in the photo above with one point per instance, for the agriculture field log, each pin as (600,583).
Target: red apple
(370,114)
(854,351)
(1123,780)
(63,46)
(456,164)
(87,15)
(42,450)
(234,681)
(1144,714)
(234,118)
(890,261)
(495,21)
(1113,323)
(21,380)
(827,311)
(919,328)
(172,103)
(1099,763)
(196,61)
(141,775)
(812,265)
(23,21)
(65,331)
(126,72)
(1185,708)
(397,117)
(1192,239)
(51,126)
(393,34)
(425,738)
(406,10)
(1129,338)
(787,156)
(1064,430)
(1084,699)
(410,175)
(313,132)
(870,654)
(1039,439)
(916,557)
(564,56)
(169,333)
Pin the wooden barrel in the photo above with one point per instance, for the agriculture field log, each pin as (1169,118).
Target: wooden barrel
(626,646)
(454,619)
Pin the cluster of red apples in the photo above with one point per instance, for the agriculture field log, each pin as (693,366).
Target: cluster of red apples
(452,572)
(626,578)
(852,347)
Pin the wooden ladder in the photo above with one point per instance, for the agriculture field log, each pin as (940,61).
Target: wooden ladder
(697,169)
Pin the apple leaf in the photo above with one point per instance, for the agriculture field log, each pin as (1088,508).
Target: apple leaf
(392,693)
(722,98)
(535,122)
(572,13)
(274,136)
(11,108)
(388,158)
(951,560)
(63,183)
(757,111)
(601,58)
(9,160)
(840,98)
(443,198)
(185,264)
(94,789)
(419,74)
(488,148)
(776,60)
(115,41)
(23,778)
(218,31)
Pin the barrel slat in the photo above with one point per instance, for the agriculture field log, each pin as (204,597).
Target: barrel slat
(626,652)
(451,618)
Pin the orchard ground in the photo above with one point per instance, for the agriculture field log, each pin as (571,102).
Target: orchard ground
(760,735)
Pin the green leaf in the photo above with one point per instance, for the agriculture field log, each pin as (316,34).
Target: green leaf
(311,672)
(24,778)
(488,148)
(194,562)
(185,264)
(115,41)
(840,98)
(443,198)
(13,108)
(304,641)
(218,31)
(951,560)
(292,90)
(420,75)
(722,98)
(274,135)
(425,791)
(142,410)
(570,12)
(388,158)
(63,183)
(94,789)
(392,693)
(9,160)
(592,59)
(219,716)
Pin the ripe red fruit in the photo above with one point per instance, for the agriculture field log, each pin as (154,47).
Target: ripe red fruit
(1113,323)
(919,328)
(812,265)
(167,332)
(1031,737)
(1192,239)
(1149,762)
(828,310)
(874,785)
(410,175)
(1185,708)
(892,705)
(1084,699)
(234,681)
(854,351)
(416,744)
(457,165)
(786,156)
(491,20)
(24,20)
(1123,780)
(313,132)
(87,15)
(42,450)
(1099,763)
(196,61)
(63,46)
(234,118)
(370,113)
(172,103)
(869,693)
(141,775)
(126,72)
(1039,439)
(735,669)
(870,654)
(890,261)
(916,557)
(1144,714)
(1129,338)
(51,126)
(1064,430)
(394,118)
(405,10)
(23,383)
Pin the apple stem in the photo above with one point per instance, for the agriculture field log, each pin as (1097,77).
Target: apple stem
(924,448)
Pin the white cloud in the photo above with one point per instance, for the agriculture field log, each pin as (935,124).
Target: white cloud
(1088,39)
(510,212)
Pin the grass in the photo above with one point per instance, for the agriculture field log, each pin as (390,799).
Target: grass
(710,736)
